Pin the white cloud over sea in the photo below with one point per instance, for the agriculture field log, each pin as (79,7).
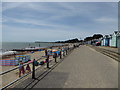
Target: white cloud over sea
(51,21)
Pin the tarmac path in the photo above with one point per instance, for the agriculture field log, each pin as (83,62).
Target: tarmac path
(83,68)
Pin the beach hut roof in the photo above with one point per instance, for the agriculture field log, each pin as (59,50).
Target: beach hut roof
(106,36)
(116,32)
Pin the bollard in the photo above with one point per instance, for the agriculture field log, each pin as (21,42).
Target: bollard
(33,69)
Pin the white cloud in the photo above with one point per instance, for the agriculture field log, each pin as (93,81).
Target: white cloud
(106,20)
(11,5)
(59,30)
(34,22)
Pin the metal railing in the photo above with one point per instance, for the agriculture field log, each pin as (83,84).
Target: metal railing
(65,52)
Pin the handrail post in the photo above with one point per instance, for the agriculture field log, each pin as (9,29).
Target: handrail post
(60,55)
(47,61)
(66,51)
(55,59)
(33,69)
(55,56)
(63,53)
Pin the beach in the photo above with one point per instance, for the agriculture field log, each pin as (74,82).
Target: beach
(9,77)
(13,75)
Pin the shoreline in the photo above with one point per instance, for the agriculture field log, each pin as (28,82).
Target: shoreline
(24,51)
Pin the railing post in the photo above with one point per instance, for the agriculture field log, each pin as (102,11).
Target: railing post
(33,69)
(66,51)
(60,55)
(63,53)
(55,56)
(55,59)
(47,61)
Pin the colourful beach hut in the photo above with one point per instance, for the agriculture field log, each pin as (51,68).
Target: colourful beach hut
(114,39)
(110,40)
(105,41)
(102,41)
(118,39)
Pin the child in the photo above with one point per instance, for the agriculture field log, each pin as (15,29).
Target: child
(21,68)
(28,68)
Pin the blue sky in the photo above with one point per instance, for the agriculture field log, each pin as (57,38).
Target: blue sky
(53,21)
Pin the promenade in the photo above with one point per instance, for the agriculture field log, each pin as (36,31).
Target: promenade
(82,68)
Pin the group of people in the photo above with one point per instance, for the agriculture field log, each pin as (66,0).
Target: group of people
(23,70)
(48,52)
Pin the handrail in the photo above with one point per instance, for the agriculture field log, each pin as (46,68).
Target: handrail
(18,78)
(2,73)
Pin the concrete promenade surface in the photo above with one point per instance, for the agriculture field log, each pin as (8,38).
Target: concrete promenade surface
(83,68)
(110,48)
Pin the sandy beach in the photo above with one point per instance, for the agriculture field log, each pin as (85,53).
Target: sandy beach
(9,77)
(13,75)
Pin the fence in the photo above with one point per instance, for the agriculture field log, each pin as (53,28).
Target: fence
(62,53)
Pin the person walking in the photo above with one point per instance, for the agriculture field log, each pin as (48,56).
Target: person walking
(21,68)
(46,52)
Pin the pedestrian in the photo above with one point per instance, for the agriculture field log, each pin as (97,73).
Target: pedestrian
(28,68)
(46,52)
(51,51)
(21,68)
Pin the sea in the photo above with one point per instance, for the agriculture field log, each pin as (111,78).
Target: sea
(8,46)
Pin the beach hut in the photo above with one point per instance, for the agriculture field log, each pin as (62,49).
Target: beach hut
(115,41)
(118,39)
(102,41)
(105,40)
(110,40)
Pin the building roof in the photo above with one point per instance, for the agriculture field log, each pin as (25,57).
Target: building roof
(117,32)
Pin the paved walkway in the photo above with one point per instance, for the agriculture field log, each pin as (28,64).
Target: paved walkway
(110,48)
(83,68)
